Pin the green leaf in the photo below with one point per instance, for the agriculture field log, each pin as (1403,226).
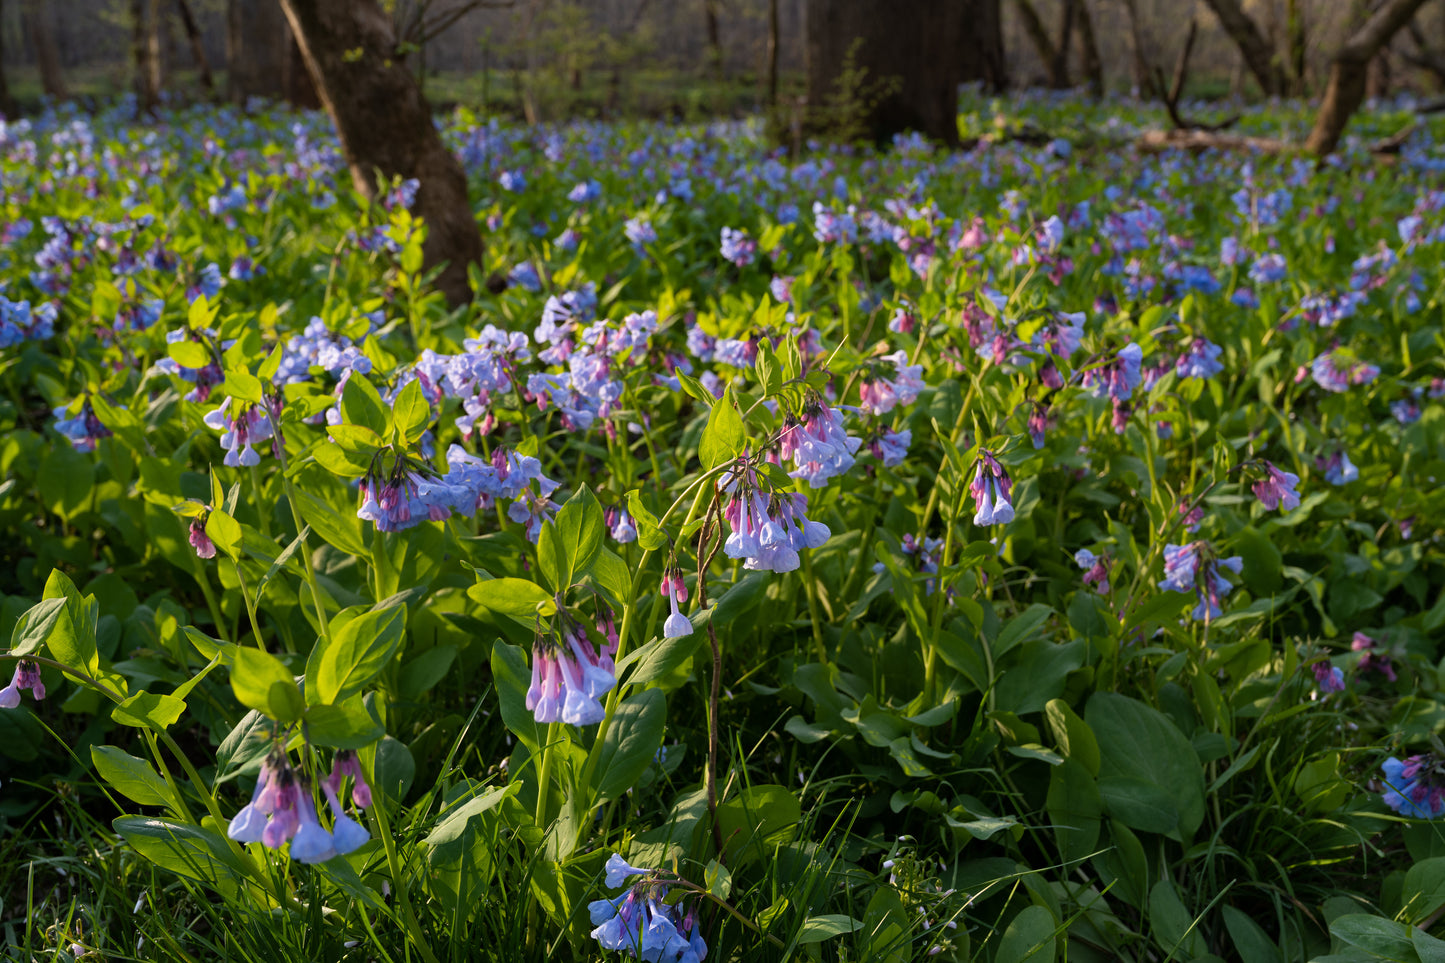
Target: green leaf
(423,672)
(724,438)
(1029,936)
(226,532)
(1075,807)
(1073,735)
(649,530)
(242,385)
(361,405)
(757,821)
(1145,759)
(570,542)
(359,649)
(1380,937)
(341,727)
(340,530)
(357,441)
(132,777)
(411,412)
(1174,929)
(816,929)
(189,851)
(252,676)
(631,741)
(717,879)
(1250,939)
(201,313)
(1022,627)
(149,710)
(522,599)
(512,678)
(189,354)
(37,623)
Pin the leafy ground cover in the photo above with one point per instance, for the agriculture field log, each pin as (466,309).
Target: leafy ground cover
(1024,553)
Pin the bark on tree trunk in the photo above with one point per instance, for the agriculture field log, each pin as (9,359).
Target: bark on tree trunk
(1349,72)
(7,103)
(913,64)
(140,51)
(1143,75)
(198,49)
(772,54)
(257,50)
(385,125)
(1253,46)
(714,38)
(52,81)
(1059,69)
(153,52)
(1295,36)
(1089,46)
(1039,37)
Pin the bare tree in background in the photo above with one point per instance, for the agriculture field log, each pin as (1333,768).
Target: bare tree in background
(47,57)
(198,49)
(7,102)
(257,49)
(1072,14)
(1093,63)
(911,66)
(1253,46)
(714,39)
(1143,72)
(154,59)
(1349,72)
(1294,33)
(385,125)
(140,51)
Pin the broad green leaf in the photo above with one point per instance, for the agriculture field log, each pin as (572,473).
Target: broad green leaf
(1029,936)
(341,727)
(226,532)
(153,710)
(517,597)
(649,531)
(361,405)
(1141,747)
(190,851)
(252,676)
(631,742)
(132,777)
(358,651)
(724,437)
(411,412)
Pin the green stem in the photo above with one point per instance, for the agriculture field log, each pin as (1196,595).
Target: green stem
(403,900)
(250,604)
(322,622)
(810,589)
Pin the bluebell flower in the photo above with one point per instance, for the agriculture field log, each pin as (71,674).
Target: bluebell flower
(27,676)
(737,247)
(1277,489)
(992,491)
(1117,379)
(1193,567)
(1415,786)
(1200,360)
(1338,468)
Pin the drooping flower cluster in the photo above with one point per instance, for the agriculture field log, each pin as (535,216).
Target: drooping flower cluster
(1338,468)
(1415,786)
(83,428)
(412,492)
(241,425)
(1328,678)
(675,591)
(878,395)
(1193,567)
(283,809)
(1277,489)
(641,922)
(570,674)
(19,322)
(737,247)
(1333,373)
(992,491)
(1200,360)
(769,529)
(1096,569)
(27,676)
(1371,657)
(818,444)
(1117,379)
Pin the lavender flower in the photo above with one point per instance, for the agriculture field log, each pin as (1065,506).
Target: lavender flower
(1277,489)
(992,491)
(1194,567)
(27,676)
(1415,786)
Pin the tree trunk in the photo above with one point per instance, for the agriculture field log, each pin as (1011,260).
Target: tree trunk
(1143,75)
(1093,63)
(156,81)
(7,102)
(1294,30)
(140,52)
(1349,72)
(198,49)
(52,81)
(772,54)
(913,65)
(1039,37)
(1059,69)
(385,126)
(714,39)
(257,50)
(1253,46)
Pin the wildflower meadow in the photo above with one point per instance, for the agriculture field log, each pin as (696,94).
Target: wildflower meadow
(1026,552)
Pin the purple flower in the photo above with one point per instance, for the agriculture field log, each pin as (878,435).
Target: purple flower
(1200,360)
(200,541)
(1329,678)
(1277,489)
(1118,378)
(1415,786)
(241,425)
(569,676)
(1096,569)
(642,923)
(737,247)
(891,447)
(818,444)
(27,676)
(1370,659)
(992,491)
(878,395)
(677,625)
(1338,468)
(1194,567)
